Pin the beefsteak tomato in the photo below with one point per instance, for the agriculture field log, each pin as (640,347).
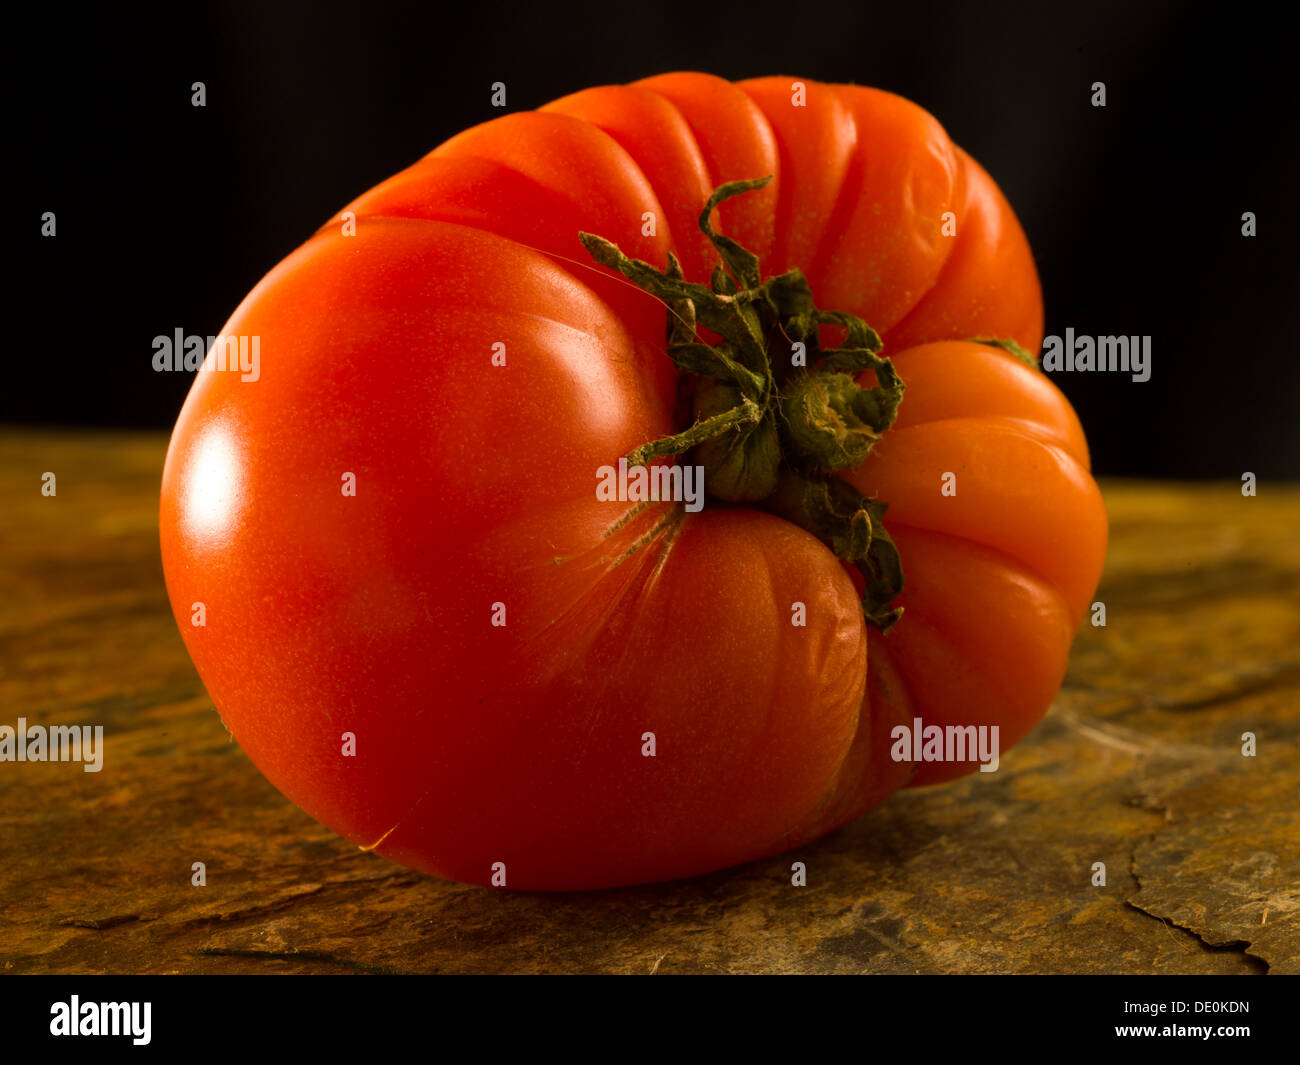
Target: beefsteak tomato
(424,626)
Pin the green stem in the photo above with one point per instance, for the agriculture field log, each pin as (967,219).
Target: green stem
(745,413)
(769,443)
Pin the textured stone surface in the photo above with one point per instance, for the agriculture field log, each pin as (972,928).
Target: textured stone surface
(1138,765)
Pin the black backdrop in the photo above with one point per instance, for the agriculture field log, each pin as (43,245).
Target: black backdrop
(168,214)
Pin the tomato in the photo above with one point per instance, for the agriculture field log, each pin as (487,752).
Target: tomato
(426,629)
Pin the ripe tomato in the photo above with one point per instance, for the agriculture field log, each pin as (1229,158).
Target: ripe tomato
(425,628)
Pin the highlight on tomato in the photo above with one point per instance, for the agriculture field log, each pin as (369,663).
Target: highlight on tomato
(637,486)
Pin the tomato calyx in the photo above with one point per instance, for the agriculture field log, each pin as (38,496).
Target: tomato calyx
(772,430)
(851,525)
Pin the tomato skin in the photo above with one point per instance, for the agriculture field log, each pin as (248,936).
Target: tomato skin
(524,744)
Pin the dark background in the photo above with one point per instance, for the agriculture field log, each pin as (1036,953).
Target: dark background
(168,214)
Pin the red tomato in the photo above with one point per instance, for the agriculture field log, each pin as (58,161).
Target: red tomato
(649,709)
